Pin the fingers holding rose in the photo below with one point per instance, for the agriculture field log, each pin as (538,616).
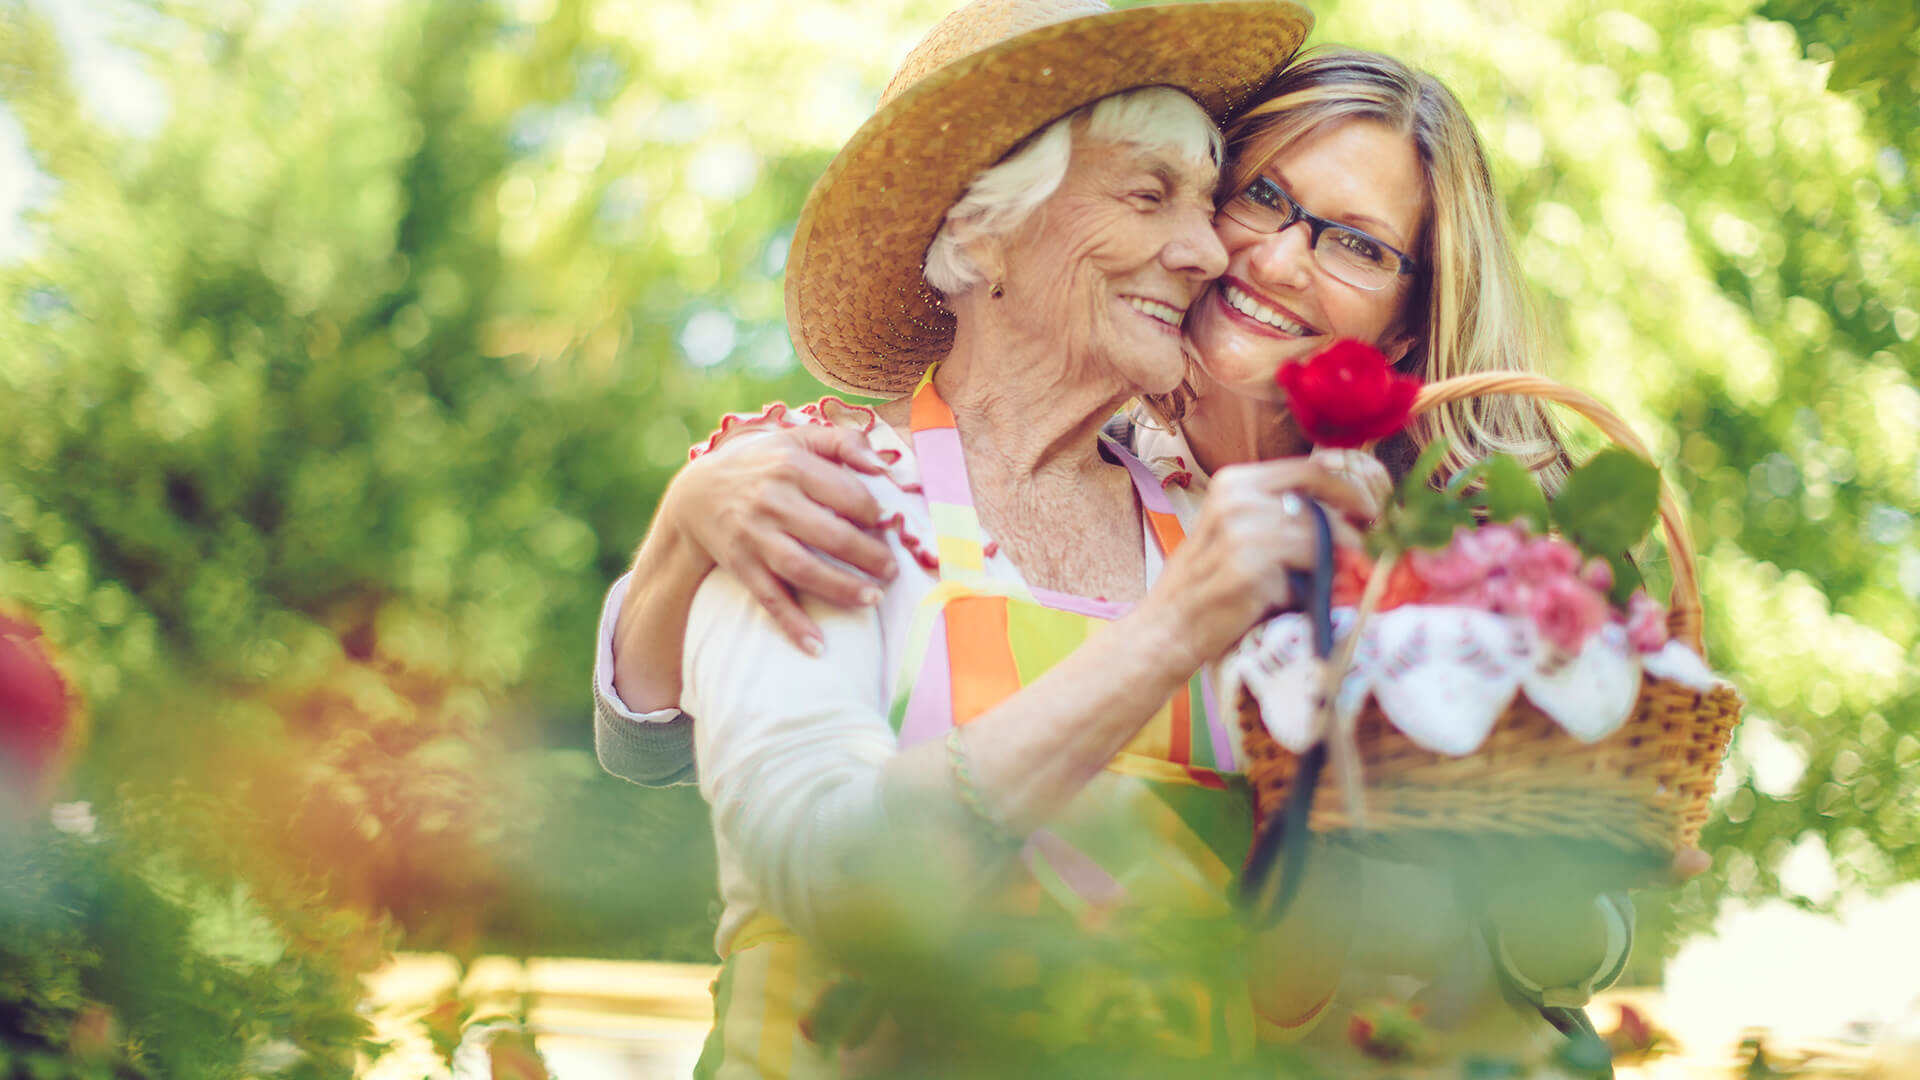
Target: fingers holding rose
(1252,529)
(1364,472)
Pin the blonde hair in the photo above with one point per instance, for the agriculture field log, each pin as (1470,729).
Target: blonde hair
(1005,195)
(1469,309)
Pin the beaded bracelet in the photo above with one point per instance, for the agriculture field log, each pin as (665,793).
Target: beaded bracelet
(970,795)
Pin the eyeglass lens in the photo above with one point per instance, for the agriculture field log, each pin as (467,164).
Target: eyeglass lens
(1348,254)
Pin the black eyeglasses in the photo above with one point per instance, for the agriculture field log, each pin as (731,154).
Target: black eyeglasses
(1348,254)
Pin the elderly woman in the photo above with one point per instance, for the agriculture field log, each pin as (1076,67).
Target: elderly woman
(1022,692)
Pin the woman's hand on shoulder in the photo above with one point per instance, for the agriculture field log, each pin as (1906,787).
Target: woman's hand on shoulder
(1232,568)
(757,503)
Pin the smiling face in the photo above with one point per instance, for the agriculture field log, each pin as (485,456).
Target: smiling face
(1276,304)
(1110,263)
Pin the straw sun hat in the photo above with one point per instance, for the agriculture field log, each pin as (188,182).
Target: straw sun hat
(990,74)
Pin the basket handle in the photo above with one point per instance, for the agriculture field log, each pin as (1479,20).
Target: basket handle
(1684,613)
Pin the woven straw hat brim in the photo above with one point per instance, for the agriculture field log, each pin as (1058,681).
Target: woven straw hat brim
(863,319)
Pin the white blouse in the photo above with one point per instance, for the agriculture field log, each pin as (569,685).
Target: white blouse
(791,746)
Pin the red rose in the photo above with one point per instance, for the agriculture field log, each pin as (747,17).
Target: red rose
(1348,395)
(36,708)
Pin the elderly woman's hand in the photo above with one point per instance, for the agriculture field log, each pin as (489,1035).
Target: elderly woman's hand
(1232,569)
(1359,468)
(759,502)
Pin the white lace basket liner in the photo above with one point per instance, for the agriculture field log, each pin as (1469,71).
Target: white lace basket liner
(1465,721)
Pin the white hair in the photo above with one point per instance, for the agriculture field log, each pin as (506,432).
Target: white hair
(1005,195)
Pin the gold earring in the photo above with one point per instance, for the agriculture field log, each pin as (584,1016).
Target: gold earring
(997,291)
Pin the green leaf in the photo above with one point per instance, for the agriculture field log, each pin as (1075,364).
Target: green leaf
(1423,516)
(1511,493)
(1609,503)
(1415,482)
(1430,522)
(1457,485)
(1626,578)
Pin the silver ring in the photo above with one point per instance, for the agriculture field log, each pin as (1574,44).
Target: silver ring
(1291,505)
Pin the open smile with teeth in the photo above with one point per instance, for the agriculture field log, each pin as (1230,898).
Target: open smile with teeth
(1243,302)
(1154,309)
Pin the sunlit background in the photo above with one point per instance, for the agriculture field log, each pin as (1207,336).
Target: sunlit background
(345,347)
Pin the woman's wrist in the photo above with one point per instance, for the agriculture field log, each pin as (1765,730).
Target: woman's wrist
(672,546)
(647,636)
(1161,639)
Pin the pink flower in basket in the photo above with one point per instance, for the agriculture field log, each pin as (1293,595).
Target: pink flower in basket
(1598,575)
(1498,543)
(1503,594)
(1458,569)
(1544,559)
(1646,623)
(1567,612)
(1469,572)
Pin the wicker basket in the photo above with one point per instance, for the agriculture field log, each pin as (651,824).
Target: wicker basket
(1641,792)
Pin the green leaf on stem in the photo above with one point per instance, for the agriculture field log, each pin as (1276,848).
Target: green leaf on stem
(1608,504)
(1418,479)
(1626,578)
(1511,493)
(1423,515)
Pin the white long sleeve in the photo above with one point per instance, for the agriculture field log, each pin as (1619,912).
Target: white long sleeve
(790,747)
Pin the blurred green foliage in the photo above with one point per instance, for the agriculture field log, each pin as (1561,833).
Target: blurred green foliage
(333,404)
(1874,49)
(118,961)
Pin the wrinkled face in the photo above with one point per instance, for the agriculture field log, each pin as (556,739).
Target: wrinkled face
(1276,304)
(1108,266)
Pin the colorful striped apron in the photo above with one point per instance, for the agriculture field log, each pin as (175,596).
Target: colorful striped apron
(1152,843)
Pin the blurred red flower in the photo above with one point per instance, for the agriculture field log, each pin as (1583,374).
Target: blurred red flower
(1389,1031)
(36,708)
(94,1034)
(1637,1038)
(1348,394)
(511,1056)
(1352,570)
